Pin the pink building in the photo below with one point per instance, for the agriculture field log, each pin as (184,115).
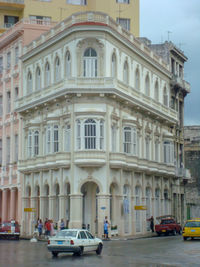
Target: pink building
(11,48)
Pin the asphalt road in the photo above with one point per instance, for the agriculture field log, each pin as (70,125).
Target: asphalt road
(146,252)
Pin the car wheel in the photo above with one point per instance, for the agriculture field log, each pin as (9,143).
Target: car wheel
(179,232)
(80,253)
(54,253)
(99,249)
(158,233)
(192,238)
(185,238)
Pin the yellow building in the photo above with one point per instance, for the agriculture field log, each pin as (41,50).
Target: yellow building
(126,12)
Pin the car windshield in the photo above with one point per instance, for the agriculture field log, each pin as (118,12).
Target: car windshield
(192,224)
(66,234)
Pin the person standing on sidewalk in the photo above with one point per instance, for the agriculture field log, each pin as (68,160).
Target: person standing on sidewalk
(106,229)
(152,224)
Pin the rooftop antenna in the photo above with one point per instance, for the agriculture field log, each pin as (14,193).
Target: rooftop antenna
(168,35)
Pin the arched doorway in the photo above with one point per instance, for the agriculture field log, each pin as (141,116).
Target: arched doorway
(127,210)
(56,210)
(90,206)
(148,205)
(37,201)
(166,202)
(157,202)
(114,205)
(67,204)
(138,212)
(46,202)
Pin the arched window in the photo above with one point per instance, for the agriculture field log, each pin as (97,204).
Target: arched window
(156,93)
(137,79)
(147,86)
(38,79)
(67,137)
(90,134)
(47,74)
(147,147)
(55,138)
(36,143)
(125,74)
(29,83)
(68,64)
(57,70)
(114,65)
(165,97)
(29,144)
(90,63)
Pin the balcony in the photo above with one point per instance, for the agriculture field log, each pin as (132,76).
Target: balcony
(12,4)
(183,173)
(91,158)
(55,160)
(179,82)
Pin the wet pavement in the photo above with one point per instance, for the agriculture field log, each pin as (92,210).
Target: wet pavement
(146,252)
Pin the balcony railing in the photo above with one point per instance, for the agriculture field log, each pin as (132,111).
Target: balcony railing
(176,80)
(183,173)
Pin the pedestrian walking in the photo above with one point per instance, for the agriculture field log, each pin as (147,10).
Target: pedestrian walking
(52,228)
(40,226)
(62,225)
(106,229)
(48,228)
(151,224)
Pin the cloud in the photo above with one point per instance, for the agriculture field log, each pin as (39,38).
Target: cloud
(182,19)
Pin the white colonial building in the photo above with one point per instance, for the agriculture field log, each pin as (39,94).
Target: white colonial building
(98,132)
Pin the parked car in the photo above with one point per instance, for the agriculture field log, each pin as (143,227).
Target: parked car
(10,230)
(167,225)
(76,241)
(191,229)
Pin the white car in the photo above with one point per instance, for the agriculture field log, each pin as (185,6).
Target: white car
(74,241)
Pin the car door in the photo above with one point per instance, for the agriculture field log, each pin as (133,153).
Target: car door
(84,240)
(92,246)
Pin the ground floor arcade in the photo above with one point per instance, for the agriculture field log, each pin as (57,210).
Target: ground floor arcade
(87,197)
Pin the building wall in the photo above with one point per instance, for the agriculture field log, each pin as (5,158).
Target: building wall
(82,183)
(10,125)
(57,10)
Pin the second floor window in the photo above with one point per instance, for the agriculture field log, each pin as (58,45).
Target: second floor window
(77,2)
(168,150)
(90,134)
(123,1)
(8,102)
(130,140)
(90,63)
(125,74)
(29,83)
(67,64)
(36,143)
(16,55)
(52,139)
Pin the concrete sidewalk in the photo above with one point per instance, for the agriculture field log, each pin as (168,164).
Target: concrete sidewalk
(113,238)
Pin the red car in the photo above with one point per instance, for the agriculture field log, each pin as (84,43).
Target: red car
(167,225)
(9,230)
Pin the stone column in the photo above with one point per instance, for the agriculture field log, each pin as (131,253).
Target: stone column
(5,205)
(62,208)
(103,210)
(52,207)
(13,204)
(76,210)
(25,217)
(42,208)
(33,221)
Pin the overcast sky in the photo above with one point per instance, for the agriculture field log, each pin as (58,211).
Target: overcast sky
(182,19)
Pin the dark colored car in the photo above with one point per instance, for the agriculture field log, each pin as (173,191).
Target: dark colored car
(167,225)
(9,230)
